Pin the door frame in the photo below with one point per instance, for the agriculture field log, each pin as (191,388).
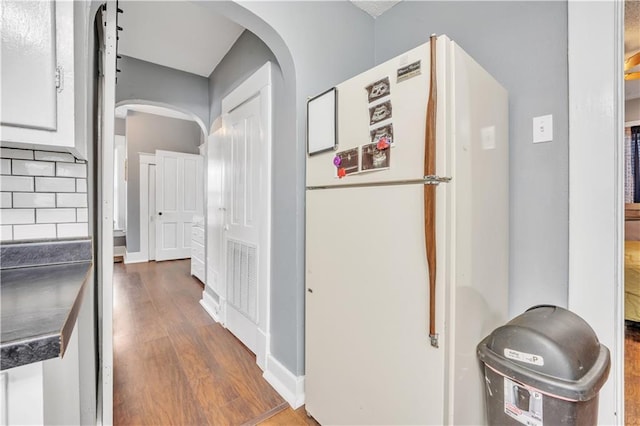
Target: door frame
(146,160)
(596,204)
(105,213)
(259,83)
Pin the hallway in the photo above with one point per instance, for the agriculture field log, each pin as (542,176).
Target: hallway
(172,363)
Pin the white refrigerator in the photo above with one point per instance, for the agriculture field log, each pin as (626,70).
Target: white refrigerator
(368,352)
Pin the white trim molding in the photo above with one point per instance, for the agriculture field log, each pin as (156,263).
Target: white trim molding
(145,160)
(187,115)
(596,209)
(134,257)
(211,306)
(288,385)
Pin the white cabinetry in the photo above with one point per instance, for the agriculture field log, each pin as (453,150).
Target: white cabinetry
(197,248)
(37,76)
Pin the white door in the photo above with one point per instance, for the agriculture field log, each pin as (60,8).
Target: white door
(178,198)
(246,196)
(215,211)
(151,223)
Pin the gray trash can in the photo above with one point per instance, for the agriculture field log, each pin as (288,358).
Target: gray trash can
(544,367)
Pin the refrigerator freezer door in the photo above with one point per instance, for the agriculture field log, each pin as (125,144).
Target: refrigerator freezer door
(408,100)
(368,355)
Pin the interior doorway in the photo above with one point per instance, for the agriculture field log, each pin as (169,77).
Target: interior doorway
(632,212)
(145,129)
(242,16)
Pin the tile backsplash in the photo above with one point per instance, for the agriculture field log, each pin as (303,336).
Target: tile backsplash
(43,195)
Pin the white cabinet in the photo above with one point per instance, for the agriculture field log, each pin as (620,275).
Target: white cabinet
(37,76)
(197,248)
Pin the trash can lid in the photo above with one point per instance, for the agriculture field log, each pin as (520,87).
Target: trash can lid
(551,349)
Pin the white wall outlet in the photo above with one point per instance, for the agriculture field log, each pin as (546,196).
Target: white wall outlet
(543,128)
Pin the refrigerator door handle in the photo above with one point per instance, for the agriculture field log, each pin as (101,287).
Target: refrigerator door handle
(436,180)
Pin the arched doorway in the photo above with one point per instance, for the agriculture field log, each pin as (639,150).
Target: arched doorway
(294,189)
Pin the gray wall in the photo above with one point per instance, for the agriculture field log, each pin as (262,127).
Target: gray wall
(632,110)
(146,133)
(120,126)
(524,46)
(140,80)
(246,56)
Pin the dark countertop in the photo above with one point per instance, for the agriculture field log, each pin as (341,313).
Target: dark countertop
(40,305)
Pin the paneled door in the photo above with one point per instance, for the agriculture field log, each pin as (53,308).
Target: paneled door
(245,195)
(179,185)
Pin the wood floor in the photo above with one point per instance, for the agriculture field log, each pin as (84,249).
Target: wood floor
(173,364)
(632,375)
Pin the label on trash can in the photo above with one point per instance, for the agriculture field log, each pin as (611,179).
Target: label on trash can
(522,404)
(523,356)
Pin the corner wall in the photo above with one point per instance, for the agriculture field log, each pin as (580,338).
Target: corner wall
(246,56)
(524,46)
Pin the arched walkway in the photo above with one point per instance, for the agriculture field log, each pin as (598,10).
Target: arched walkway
(161,105)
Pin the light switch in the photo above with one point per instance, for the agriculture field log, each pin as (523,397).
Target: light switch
(488,137)
(543,128)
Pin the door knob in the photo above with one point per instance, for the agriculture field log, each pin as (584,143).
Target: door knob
(159,213)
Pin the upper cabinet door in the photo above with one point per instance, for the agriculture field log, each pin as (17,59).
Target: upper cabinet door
(29,92)
(37,75)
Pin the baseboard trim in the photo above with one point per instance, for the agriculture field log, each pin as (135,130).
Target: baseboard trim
(261,349)
(211,306)
(289,386)
(135,257)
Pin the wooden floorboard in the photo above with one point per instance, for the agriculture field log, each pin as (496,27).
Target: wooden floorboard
(172,363)
(632,375)
(290,417)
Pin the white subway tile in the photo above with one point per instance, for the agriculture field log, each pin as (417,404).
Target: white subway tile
(5,166)
(16,183)
(25,154)
(17,216)
(5,200)
(33,199)
(71,200)
(67,230)
(55,215)
(6,232)
(71,170)
(82,215)
(81,185)
(55,156)
(53,184)
(33,168)
(34,232)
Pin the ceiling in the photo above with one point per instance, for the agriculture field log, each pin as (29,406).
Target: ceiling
(177,34)
(631,43)
(374,8)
